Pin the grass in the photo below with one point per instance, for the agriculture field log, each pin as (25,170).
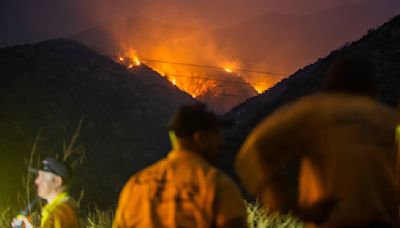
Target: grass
(98,218)
(257,217)
(5,219)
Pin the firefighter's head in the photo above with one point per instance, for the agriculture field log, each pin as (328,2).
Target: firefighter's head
(52,178)
(351,75)
(194,128)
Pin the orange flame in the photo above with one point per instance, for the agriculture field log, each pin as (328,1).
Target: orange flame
(187,78)
(259,89)
(133,57)
(187,45)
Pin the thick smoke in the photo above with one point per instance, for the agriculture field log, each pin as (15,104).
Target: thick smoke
(216,33)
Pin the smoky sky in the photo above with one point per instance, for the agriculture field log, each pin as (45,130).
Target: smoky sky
(23,21)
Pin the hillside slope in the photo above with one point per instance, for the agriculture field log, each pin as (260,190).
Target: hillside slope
(49,86)
(382,46)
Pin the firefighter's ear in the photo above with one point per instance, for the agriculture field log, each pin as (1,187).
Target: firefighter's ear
(58,181)
(198,137)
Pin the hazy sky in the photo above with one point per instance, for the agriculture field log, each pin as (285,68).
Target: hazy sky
(24,21)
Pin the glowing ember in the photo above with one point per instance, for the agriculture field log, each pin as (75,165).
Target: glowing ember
(130,66)
(228,70)
(121,59)
(173,81)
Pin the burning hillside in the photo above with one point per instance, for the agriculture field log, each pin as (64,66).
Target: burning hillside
(220,87)
(275,44)
(187,56)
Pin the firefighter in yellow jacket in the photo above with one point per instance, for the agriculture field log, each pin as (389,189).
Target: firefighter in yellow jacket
(51,185)
(184,189)
(344,142)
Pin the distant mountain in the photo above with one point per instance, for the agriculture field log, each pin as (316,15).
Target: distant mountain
(287,42)
(382,46)
(135,32)
(49,86)
(226,93)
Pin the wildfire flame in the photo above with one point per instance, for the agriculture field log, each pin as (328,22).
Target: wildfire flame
(191,45)
(259,89)
(184,77)
(133,56)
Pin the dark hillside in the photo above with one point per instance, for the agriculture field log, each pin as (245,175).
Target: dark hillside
(50,86)
(382,46)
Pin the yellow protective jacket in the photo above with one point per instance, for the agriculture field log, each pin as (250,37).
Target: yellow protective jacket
(60,213)
(347,153)
(182,190)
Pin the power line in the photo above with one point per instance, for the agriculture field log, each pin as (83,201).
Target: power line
(233,95)
(206,66)
(204,78)
(212,67)
(213,79)
(223,94)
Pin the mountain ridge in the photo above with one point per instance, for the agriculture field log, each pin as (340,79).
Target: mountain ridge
(381,46)
(50,86)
